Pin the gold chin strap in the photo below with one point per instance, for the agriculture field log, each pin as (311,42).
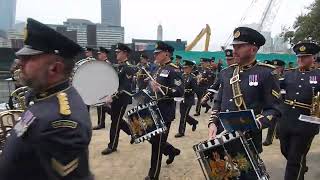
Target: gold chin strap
(237,95)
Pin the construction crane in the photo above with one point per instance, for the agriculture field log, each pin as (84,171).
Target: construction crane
(205,31)
(267,18)
(269,15)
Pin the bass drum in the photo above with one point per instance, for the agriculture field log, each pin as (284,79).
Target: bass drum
(94,80)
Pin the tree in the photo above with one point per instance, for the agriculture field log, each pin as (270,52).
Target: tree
(306,26)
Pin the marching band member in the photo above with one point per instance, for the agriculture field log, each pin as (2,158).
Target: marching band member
(120,100)
(168,79)
(178,62)
(300,85)
(51,140)
(205,79)
(102,109)
(141,75)
(274,126)
(213,89)
(190,87)
(247,85)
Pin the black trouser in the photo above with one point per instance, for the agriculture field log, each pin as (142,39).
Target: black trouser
(101,111)
(159,146)
(272,131)
(200,95)
(117,111)
(294,147)
(185,117)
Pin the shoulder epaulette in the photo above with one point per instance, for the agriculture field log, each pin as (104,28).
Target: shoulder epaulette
(229,66)
(173,65)
(290,69)
(64,107)
(266,65)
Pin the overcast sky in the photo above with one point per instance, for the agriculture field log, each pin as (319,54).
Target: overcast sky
(180,18)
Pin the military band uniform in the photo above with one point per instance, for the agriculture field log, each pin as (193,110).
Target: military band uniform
(102,109)
(213,89)
(190,87)
(119,105)
(55,143)
(273,130)
(51,140)
(296,136)
(142,76)
(252,86)
(171,83)
(101,112)
(207,79)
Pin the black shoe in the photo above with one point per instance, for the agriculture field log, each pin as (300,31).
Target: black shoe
(194,126)
(178,135)
(267,143)
(149,178)
(196,114)
(108,151)
(131,140)
(172,156)
(207,109)
(98,127)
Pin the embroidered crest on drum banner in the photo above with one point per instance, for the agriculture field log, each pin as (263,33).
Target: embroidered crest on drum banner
(228,167)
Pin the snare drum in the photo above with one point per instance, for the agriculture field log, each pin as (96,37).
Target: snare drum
(94,80)
(223,158)
(145,121)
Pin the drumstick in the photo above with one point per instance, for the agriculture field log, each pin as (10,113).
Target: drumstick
(221,134)
(130,94)
(149,75)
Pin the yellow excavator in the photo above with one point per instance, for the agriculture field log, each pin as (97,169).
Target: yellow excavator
(205,31)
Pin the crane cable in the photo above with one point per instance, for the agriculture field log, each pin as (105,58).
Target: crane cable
(243,18)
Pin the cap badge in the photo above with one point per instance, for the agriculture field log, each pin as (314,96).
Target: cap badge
(302,48)
(237,34)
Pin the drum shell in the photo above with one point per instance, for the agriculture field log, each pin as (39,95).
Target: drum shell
(145,121)
(213,158)
(94,80)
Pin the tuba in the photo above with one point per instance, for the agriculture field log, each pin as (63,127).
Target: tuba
(9,118)
(19,96)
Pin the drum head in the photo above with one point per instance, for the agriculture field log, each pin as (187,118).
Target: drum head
(94,80)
